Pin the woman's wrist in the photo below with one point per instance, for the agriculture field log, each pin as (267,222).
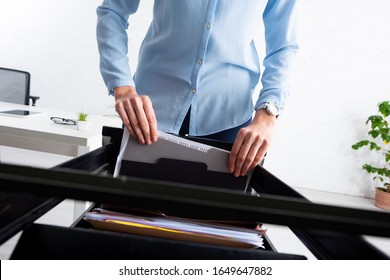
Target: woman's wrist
(124,91)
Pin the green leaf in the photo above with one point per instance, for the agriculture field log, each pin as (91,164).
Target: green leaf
(360,144)
(376,121)
(374,146)
(369,168)
(384,108)
(381,171)
(374,133)
(384,130)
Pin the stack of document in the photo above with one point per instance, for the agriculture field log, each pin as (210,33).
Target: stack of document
(176,228)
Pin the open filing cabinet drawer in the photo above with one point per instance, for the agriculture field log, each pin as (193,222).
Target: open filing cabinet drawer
(328,232)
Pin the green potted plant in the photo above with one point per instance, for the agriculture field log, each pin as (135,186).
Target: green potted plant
(378,142)
(82,121)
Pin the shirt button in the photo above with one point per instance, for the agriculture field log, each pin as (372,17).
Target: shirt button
(193,90)
(207,25)
(200,61)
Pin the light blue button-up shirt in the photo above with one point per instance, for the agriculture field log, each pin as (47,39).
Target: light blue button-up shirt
(201,54)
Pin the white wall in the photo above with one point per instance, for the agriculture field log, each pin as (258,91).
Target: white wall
(55,41)
(340,76)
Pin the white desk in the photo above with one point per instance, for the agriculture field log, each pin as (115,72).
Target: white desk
(39,133)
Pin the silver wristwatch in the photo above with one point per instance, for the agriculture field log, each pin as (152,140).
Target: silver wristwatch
(270,108)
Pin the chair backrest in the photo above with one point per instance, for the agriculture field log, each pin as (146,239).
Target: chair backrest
(14,86)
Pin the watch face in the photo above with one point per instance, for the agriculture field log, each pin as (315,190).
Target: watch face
(272,109)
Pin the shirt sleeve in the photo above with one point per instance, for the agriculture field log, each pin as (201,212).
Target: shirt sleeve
(280,22)
(111,34)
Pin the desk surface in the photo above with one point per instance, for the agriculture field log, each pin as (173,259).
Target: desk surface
(38,132)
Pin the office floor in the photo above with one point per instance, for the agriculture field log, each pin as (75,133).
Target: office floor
(282,237)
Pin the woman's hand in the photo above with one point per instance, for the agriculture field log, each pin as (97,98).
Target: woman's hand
(137,114)
(251,144)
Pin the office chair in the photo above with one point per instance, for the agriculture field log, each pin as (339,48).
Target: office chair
(15,87)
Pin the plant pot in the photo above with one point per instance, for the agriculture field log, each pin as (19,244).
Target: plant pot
(82,125)
(382,199)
